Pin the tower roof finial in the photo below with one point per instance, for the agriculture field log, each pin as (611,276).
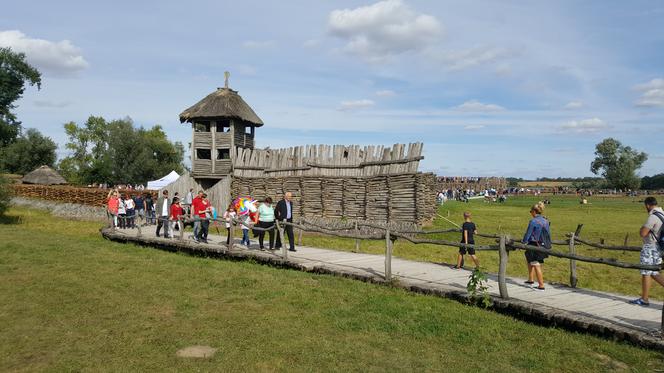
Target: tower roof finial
(226,76)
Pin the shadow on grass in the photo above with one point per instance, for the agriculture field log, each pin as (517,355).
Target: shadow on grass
(10,219)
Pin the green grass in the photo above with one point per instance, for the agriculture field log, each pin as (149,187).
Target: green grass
(75,302)
(610,218)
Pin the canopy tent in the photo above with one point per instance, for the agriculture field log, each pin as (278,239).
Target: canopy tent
(160,183)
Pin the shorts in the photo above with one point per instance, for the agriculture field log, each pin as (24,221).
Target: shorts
(534,257)
(471,250)
(650,255)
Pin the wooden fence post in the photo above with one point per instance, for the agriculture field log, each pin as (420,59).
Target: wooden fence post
(502,267)
(299,234)
(181,221)
(572,262)
(231,241)
(388,255)
(280,237)
(357,240)
(137,225)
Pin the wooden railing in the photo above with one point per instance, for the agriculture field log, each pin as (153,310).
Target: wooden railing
(503,244)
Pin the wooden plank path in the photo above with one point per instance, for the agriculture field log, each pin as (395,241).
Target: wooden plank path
(598,312)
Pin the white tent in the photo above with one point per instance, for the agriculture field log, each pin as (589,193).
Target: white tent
(160,183)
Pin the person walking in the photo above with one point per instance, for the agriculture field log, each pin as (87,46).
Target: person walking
(284,213)
(131,210)
(148,203)
(196,206)
(650,232)
(175,215)
(122,212)
(468,230)
(229,215)
(163,211)
(188,200)
(140,208)
(112,206)
(538,229)
(266,220)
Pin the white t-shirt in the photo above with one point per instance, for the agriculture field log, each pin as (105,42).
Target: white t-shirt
(655,225)
(164,208)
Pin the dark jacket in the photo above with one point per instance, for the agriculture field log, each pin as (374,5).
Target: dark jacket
(281,211)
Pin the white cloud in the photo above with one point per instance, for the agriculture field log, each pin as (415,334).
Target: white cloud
(653,93)
(355,105)
(311,43)
(467,58)
(386,28)
(476,106)
(52,104)
(585,126)
(385,93)
(58,58)
(474,127)
(573,105)
(259,44)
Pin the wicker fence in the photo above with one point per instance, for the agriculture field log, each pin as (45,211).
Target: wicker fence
(398,198)
(68,194)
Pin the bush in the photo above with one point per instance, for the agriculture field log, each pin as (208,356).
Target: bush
(5,194)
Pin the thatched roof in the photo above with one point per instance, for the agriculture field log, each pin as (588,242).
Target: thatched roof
(222,103)
(44,175)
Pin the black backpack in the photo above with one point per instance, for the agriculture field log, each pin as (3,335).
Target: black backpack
(660,239)
(545,237)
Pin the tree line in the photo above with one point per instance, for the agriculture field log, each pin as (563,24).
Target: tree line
(101,151)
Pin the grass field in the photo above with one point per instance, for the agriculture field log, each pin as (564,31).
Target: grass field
(545,184)
(75,302)
(610,218)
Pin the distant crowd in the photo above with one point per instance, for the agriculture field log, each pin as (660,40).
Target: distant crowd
(172,214)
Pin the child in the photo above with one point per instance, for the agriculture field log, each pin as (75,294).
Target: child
(229,215)
(175,215)
(246,221)
(468,230)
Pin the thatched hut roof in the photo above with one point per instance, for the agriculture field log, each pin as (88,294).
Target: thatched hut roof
(44,175)
(222,103)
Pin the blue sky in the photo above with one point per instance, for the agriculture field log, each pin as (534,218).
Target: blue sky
(510,88)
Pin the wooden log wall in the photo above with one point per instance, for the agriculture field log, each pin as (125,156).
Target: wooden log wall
(328,160)
(475,183)
(394,198)
(69,194)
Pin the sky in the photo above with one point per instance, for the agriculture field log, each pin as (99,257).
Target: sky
(509,88)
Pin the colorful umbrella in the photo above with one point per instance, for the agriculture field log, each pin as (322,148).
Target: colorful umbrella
(244,205)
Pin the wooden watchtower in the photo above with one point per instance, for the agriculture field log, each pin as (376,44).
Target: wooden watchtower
(221,122)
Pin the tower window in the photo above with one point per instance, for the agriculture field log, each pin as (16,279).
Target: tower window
(223,154)
(203,154)
(202,127)
(224,126)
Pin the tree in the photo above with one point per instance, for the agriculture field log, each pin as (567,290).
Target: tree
(618,164)
(28,152)
(5,195)
(15,72)
(653,182)
(116,152)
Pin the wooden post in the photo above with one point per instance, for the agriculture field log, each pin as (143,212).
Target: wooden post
(572,262)
(299,234)
(388,255)
(502,267)
(181,222)
(231,241)
(357,240)
(137,225)
(280,237)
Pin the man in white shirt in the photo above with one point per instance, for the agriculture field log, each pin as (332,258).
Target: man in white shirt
(650,253)
(163,210)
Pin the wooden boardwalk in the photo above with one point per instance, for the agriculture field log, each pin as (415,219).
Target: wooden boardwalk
(598,312)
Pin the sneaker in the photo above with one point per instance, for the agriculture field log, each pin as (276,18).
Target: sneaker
(292,250)
(456,267)
(639,302)
(529,282)
(539,288)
